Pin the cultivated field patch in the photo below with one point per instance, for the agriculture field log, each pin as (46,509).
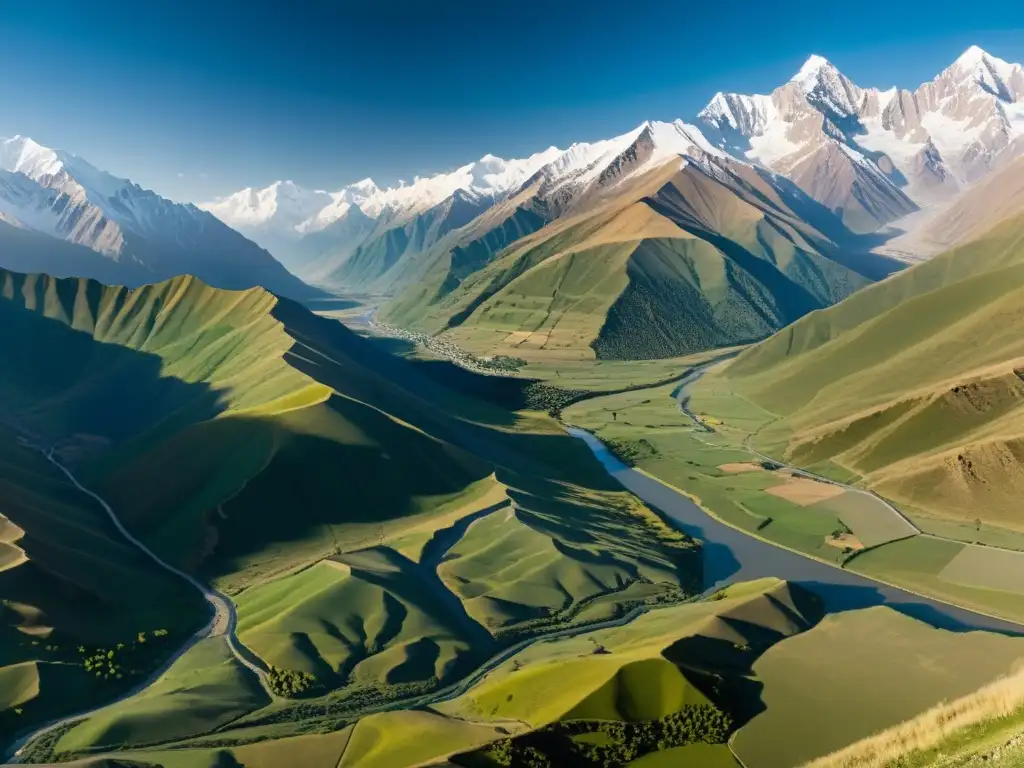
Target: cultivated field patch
(738,467)
(804,492)
(987,568)
(869,519)
(845,541)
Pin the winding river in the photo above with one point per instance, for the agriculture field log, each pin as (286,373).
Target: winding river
(731,555)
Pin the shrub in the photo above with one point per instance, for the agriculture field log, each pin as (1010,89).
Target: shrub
(554,744)
(292,683)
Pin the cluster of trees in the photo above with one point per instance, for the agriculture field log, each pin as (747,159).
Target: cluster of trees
(501,363)
(661,530)
(331,713)
(841,531)
(630,452)
(43,749)
(124,660)
(552,399)
(620,743)
(292,683)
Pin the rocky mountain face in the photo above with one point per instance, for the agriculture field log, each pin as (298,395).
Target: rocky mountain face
(874,156)
(53,194)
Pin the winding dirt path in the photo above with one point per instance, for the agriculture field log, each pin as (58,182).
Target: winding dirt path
(223,623)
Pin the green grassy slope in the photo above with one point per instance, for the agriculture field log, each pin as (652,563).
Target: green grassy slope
(607,687)
(205,687)
(912,384)
(695,260)
(75,588)
(385,259)
(288,461)
(674,665)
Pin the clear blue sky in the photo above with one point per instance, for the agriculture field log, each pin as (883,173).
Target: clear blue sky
(198,98)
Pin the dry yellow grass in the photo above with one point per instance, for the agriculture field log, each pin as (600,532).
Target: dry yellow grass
(805,492)
(1002,698)
(636,222)
(736,468)
(846,540)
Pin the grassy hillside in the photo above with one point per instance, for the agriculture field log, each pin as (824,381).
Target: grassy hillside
(343,495)
(72,589)
(912,385)
(678,669)
(983,727)
(695,259)
(921,667)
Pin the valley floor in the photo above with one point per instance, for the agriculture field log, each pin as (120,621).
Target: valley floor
(709,456)
(538,604)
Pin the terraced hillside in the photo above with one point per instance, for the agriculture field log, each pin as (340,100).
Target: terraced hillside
(350,503)
(686,257)
(914,385)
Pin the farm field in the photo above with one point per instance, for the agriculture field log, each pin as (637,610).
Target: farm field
(647,429)
(798,513)
(920,563)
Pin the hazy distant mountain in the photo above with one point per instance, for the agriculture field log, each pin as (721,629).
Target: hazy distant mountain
(315,232)
(871,155)
(141,236)
(997,197)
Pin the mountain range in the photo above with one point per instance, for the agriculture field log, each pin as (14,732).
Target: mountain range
(702,234)
(871,156)
(60,214)
(874,156)
(709,233)
(234,531)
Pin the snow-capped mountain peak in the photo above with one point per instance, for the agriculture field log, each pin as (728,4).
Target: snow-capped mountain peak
(144,236)
(490,177)
(826,87)
(811,72)
(994,75)
(922,145)
(283,203)
(20,154)
(366,187)
(96,207)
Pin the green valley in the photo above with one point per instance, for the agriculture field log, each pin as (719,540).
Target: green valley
(695,444)
(346,501)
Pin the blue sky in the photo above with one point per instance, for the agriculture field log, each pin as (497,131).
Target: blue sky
(197,98)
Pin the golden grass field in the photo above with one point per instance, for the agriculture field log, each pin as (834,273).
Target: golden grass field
(932,729)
